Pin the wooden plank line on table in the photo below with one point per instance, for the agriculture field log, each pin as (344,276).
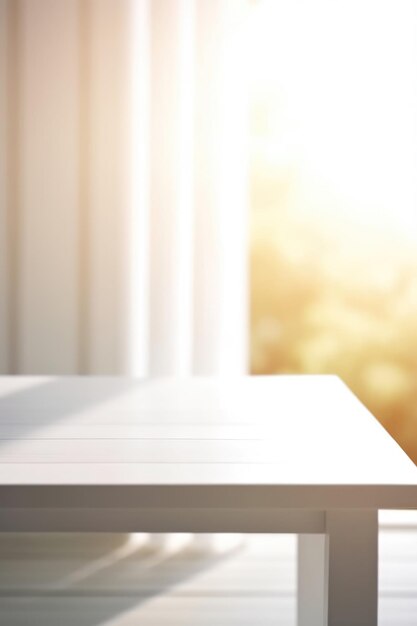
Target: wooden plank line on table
(132,439)
(140,463)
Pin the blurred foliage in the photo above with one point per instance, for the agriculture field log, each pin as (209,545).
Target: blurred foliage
(329,299)
(333,233)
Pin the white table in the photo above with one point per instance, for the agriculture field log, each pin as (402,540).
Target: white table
(287,454)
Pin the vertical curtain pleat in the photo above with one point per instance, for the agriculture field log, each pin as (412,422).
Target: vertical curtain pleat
(170,197)
(4,188)
(139,243)
(221,189)
(109,190)
(47,312)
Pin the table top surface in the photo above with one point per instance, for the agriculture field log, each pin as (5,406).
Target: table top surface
(287,431)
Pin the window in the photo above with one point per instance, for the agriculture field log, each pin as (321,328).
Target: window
(334,198)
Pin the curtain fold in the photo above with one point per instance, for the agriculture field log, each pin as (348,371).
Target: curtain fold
(123,187)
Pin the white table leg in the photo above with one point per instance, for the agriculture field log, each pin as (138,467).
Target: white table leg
(338,572)
(352,567)
(311,576)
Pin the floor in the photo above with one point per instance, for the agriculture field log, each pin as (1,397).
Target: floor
(63,580)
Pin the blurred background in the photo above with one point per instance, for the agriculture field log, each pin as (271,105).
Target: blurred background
(334,199)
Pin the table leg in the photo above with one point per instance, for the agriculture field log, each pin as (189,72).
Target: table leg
(352,567)
(338,572)
(311,575)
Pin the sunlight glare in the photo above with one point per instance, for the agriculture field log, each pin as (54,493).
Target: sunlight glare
(339,85)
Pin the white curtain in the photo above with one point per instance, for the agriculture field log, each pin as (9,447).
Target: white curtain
(123,187)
